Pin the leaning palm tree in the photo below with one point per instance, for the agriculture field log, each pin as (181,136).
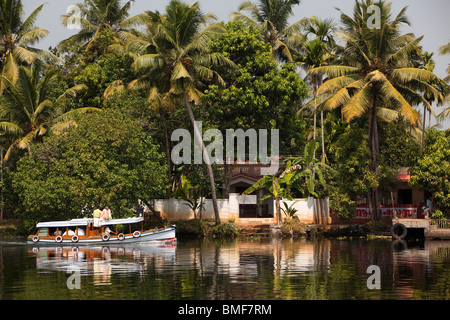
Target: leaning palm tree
(27,111)
(17,36)
(271,18)
(98,15)
(375,78)
(178,62)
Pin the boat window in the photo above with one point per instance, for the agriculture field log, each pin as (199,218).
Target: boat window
(70,232)
(81,231)
(54,232)
(42,232)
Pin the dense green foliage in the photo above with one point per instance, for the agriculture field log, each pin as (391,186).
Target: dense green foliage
(90,123)
(259,94)
(432,171)
(106,160)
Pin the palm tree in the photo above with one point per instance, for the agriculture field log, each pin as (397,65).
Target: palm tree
(17,36)
(299,173)
(98,15)
(27,112)
(375,78)
(178,62)
(318,52)
(271,17)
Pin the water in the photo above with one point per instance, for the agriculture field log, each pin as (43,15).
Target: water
(239,270)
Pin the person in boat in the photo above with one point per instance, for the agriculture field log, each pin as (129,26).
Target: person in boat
(71,233)
(97,216)
(108,231)
(106,214)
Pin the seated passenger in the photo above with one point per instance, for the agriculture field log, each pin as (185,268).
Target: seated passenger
(71,233)
(108,231)
(81,232)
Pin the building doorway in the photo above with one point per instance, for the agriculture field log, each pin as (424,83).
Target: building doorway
(405,196)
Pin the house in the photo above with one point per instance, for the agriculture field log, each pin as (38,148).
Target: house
(403,200)
(249,209)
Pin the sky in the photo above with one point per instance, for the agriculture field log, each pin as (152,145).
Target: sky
(429,18)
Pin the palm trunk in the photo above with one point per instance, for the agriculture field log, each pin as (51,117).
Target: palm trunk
(206,156)
(374,201)
(322,127)
(423,128)
(278,209)
(429,119)
(323,137)
(315,119)
(169,163)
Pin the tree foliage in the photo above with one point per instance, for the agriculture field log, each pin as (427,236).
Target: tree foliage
(258,94)
(432,171)
(106,160)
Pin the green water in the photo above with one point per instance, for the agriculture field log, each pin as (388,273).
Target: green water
(240,270)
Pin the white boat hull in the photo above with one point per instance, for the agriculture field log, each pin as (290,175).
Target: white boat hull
(167,234)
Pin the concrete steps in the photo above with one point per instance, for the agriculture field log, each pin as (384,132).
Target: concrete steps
(254,230)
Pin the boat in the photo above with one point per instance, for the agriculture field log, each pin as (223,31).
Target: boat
(83,231)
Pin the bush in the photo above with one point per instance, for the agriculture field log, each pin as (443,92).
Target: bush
(195,229)
(293,228)
(437,214)
(192,228)
(224,230)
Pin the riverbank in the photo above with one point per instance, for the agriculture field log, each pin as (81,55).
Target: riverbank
(294,229)
(9,229)
(206,229)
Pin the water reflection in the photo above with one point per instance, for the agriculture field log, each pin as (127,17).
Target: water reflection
(302,269)
(103,261)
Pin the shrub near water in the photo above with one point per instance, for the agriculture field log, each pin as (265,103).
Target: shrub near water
(293,228)
(205,229)
(224,230)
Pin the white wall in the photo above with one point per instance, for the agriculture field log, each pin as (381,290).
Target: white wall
(174,209)
(305,208)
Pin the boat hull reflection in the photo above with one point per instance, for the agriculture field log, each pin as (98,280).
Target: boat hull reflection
(103,261)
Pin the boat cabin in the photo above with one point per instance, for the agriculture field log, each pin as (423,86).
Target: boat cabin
(83,229)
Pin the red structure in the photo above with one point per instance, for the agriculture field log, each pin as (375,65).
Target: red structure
(403,201)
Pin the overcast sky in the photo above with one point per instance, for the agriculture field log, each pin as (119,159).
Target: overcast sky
(428,17)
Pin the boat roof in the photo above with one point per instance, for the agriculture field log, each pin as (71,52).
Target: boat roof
(86,221)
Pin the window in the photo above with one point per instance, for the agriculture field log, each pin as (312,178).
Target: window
(81,231)
(405,196)
(42,232)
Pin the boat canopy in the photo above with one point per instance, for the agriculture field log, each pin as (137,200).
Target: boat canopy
(85,222)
